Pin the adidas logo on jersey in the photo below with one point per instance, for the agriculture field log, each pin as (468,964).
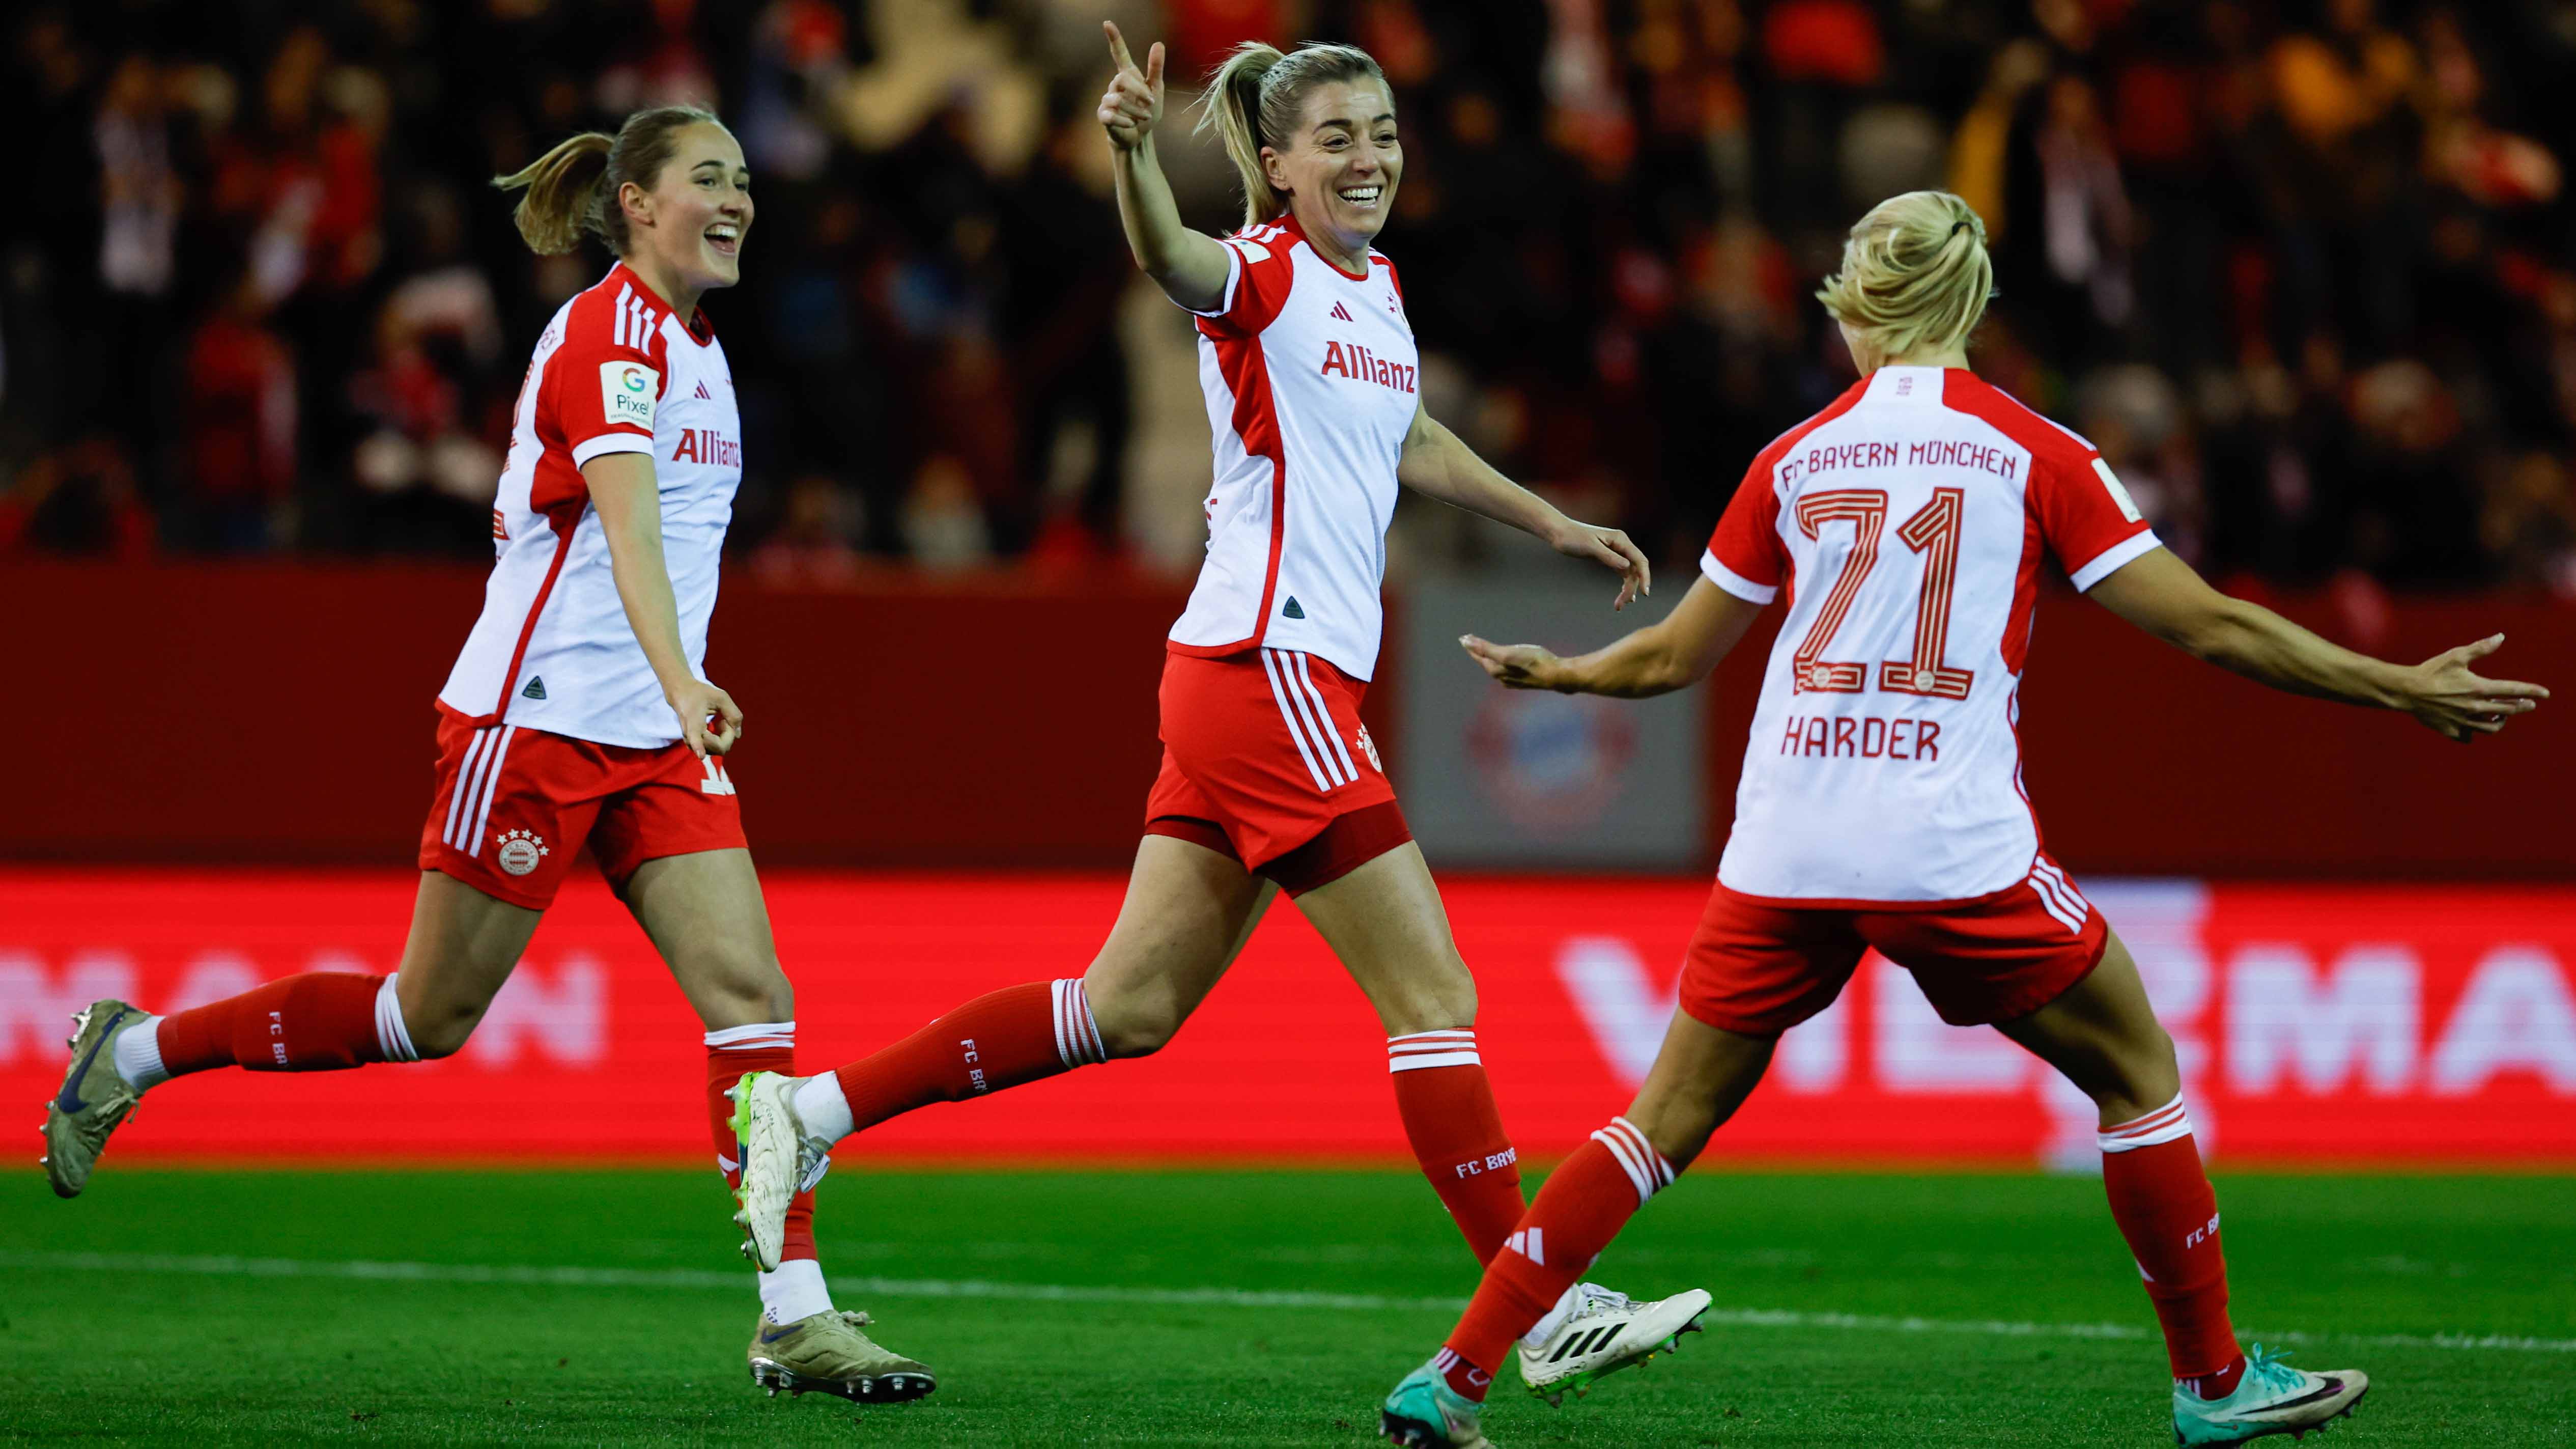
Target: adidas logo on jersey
(1292,611)
(536,689)
(703,393)
(1344,313)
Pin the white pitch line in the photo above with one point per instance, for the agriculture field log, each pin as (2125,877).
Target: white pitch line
(530,1275)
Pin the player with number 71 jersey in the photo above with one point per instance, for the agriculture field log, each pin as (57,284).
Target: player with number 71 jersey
(1906,524)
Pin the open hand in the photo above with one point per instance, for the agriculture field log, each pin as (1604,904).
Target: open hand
(1611,549)
(696,702)
(1134,101)
(2455,703)
(1518,666)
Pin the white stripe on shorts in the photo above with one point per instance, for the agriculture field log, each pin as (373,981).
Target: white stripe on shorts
(465,782)
(473,843)
(1324,718)
(1296,726)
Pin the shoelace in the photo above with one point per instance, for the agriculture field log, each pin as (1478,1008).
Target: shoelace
(2271,1370)
(1597,1299)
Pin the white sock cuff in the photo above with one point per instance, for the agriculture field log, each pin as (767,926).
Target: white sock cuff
(138,1054)
(1423,1050)
(754,1037)
(794,1290)
(2165,1124)
(824,1108)
(1077,1033)
(393,1035)
(1647,1170)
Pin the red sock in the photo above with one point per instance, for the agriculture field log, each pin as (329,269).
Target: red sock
(321,1021)
(2161,1199)
(1016,1035)
(1457,1133)
(732,1054)
(1579,1210)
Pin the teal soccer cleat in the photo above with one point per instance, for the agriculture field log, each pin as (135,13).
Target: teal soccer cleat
(2272,1398)
(1425,1413)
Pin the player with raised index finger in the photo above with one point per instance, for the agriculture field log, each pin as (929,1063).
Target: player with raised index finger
(1903,530)
(578,712)
(1268,780)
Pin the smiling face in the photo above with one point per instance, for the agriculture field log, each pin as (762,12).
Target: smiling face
(1341,168)
(692,223)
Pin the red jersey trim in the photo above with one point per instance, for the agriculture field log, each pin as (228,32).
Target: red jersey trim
(1246,369)
(1766,470)
(1288,222)
(563,528)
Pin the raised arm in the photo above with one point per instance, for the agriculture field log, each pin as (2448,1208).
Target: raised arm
(629,503)
(2164,596)
(1675,652)
(1189,266)
(1437,465)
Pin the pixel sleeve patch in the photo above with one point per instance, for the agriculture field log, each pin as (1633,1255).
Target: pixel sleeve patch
(626,393)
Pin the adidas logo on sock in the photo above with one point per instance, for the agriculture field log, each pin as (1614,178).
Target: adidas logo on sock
(536,689)
(1292,611)
(1529,1244)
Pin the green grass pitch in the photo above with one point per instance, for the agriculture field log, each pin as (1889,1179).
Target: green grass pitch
(1986,1310)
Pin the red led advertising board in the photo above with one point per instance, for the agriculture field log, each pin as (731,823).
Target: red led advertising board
(2317,1024)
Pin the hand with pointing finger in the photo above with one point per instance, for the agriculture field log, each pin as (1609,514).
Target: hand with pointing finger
(1134,101)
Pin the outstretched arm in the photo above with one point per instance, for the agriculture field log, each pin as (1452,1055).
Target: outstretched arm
(1189,266)
(1673,653)
(629,504)
(2164,596)
(1437,465)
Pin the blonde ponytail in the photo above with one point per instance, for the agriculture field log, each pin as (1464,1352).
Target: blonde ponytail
(1915,277)
(1256,97)
(573,188)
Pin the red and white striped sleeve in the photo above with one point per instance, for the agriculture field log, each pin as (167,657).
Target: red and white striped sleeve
(604,384)
(1744,555)
(1259,272)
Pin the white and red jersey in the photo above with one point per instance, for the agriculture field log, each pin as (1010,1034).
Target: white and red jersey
(615,372)
(1312,382)
(1906,523)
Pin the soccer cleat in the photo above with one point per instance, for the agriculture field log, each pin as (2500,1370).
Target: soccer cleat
(2271,1398)
(1606,1332)
(95,1097)
(826,1353)
(1425,1413)
(778,1161)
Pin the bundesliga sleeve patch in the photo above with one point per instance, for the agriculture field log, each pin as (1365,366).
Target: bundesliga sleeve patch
(2119,495)
(626,393)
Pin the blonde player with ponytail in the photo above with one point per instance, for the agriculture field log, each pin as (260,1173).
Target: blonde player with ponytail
(1269,782)
(578,713)
(1881,802)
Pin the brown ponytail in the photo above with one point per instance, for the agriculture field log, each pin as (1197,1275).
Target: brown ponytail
(573,188)
(1255,99)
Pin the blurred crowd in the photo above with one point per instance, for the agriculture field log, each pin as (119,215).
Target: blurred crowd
(2303,269)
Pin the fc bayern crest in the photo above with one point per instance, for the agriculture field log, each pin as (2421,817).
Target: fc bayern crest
(1551,761)
(520,850)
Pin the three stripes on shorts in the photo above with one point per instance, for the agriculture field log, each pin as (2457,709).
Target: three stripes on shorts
(1310,722)
(469,809)
(2058,895)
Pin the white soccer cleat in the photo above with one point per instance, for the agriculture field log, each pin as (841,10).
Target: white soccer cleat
(1605,1333)
(2272,1398)
(779,1160)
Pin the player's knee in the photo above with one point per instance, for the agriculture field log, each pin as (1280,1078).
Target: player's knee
(438,1031)
(1439,999)
(1137,1026)
(2138,1076)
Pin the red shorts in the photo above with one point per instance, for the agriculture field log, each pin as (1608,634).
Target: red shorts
(515,805)
(1264,759)
(1758,969)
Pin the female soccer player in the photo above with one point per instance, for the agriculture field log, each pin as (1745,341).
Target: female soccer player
(578,712)
(1268,781)
(1881,803)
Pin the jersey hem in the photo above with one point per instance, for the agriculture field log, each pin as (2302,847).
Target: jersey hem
(1363,674)
(1864,903)
(1734,583)
(2109,560)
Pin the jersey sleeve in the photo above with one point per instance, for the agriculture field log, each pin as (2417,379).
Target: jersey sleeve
(1744,556)
(605,381)
(2091,524)
(1258,274)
